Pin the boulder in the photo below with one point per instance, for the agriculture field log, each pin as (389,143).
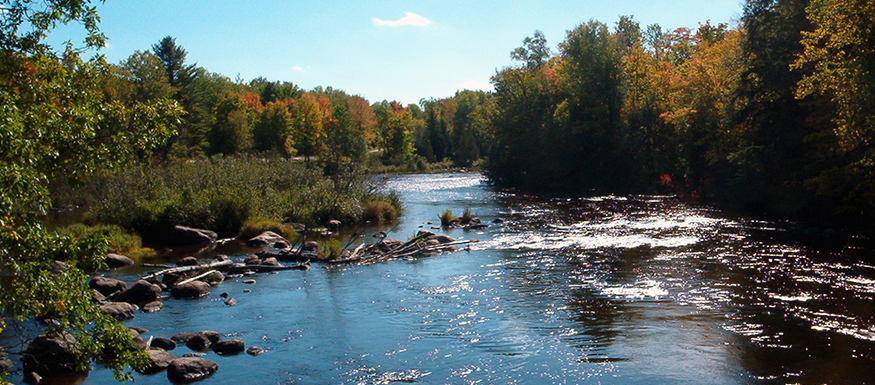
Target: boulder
(170,279)
(193,289)
(254,351)
(163,343)
(159,360)
(194,354)
(334,225)
(187,369)
(187,261)
(106,286)
(51,356)
(182,338)
(221,258)
(97,297)
(57,267)
(498,220)
(117,261)
(198,343)
(228,347)
(310,246)
(213,336)
(181,236)
(444,238)
(268,238)
(252,259)
(153,306)
(138,342)
(139,329)
(140,292)
(121,311)
(271,261)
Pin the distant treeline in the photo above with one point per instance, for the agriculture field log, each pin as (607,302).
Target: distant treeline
(774,116)
(224,116)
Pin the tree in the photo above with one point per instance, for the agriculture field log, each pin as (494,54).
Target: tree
(272,127)
(173,56)
(308,127)
(534,51)
(397,135)
(57,121)
(232,132)
(142,79)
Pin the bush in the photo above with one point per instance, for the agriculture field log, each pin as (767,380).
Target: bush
(467,216)
(119,240)
(223,193)
(330,249)
(379,211)
(448,219)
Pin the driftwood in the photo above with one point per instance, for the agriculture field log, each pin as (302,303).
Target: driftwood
(195,278)
(184,269)
(267,268)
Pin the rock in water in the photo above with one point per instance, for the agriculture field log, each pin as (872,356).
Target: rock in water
(121,311)
(140,292)
(159,360)
(181,236)
(198,343)
(268,238)
(106,286)
(51,356)
(193,289)
(187,369)
(117,261)
(228,347)
(254,351)
(163,343)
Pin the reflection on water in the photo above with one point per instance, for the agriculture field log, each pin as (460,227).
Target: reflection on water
(606,290)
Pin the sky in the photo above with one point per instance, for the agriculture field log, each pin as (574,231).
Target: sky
(381,50)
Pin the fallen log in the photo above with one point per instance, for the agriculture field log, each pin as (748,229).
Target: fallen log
(183,269)
(266,268)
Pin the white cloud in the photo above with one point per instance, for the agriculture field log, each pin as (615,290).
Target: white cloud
(408,19)
(475,85)
(297,68)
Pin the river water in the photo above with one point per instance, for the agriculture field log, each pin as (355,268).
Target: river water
(606,290)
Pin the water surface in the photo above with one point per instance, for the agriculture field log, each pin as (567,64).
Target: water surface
(606,290)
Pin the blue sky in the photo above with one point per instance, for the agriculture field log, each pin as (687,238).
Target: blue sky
(394,50)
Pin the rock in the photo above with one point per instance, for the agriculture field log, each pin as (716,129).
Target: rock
(228,347)
(138,342)
(181,236)
(170,279)
(271,261)
(221,258)
(444,238)
(57,267)
(139,329)
(213,336)
(163,343)
(106,286)
(334,225)
(249,281)
(498,220)
(198,343)
(182,338)
(247,291)
(117,261)
(187,369)
(140,292)
(153,306)
(159,360)
(230,302)
(310,246)
(268,238)
(121,311)
(193,289)
(32,378)
(50,356)
(254,351)
(97,297)
(187,261)
(252,259)
(194,354)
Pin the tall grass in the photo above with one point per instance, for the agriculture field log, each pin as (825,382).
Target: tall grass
(222,193)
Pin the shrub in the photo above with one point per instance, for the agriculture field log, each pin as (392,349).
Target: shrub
(379,211)
(448,219)
(331,248)
(119,240)
(467,216)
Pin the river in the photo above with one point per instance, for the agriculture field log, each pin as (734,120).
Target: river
(606,290)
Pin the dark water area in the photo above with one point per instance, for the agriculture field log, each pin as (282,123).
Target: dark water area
(608,290)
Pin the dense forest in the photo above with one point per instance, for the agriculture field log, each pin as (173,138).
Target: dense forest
(274,118)
(772,116)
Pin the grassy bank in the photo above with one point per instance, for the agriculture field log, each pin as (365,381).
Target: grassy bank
(225,193)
